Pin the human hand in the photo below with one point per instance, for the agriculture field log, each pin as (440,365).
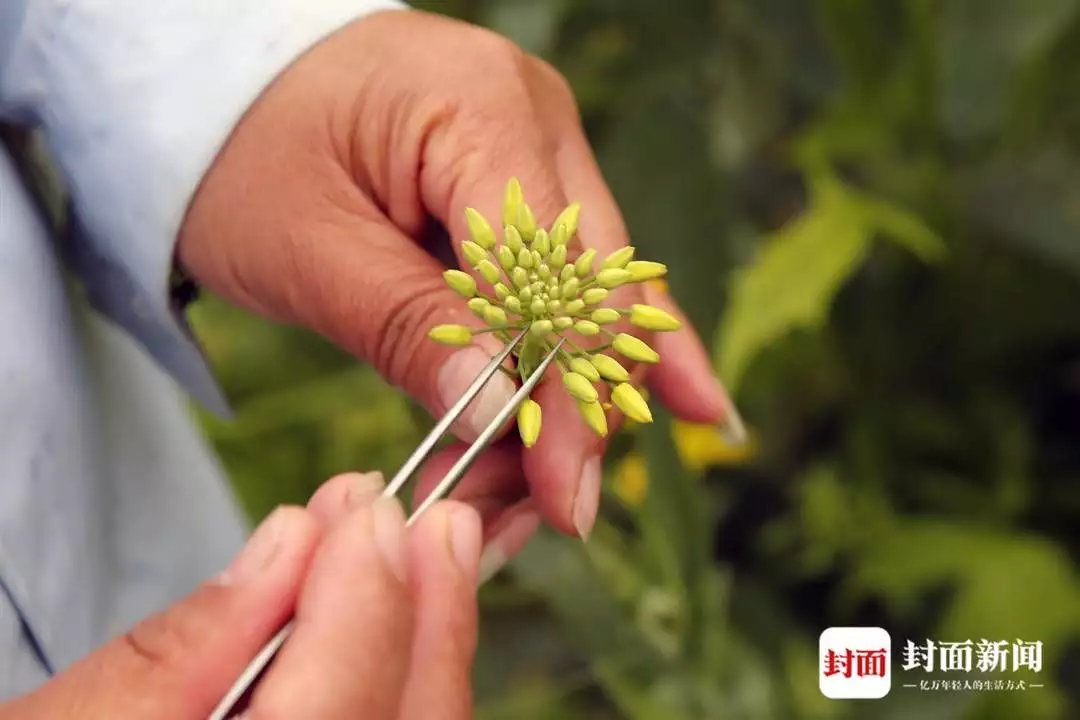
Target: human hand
(385,623)
(315,211)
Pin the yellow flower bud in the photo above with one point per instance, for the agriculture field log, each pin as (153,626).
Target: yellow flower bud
(525,258)
(566,273)
(575,306)
(642,270)
(578,386)
(494,316)
(557,259)
(583,265)
(595,417)
(479,229)
(585,368)
(594,296)
(541,243)
(541,328)
(604,316)
(586,328)
(536,257)
(512,199)
(478,305)
(570,289)
(528,419)
(506,258)
(627,399)
(544,273)
(525,295)
(451,334)
(562,322)
(512,239)
(612,278)
(554,306)
(520,277)
(538,287)
(538,306)
(651,318)
(634,349)
(513,305)
(619,258)
(568,218)
(559,236)
(526,222)
(502,292)
(460,282)
(488,270)
(473,253)
(609,368)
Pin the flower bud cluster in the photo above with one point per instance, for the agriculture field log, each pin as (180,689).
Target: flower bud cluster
(539,285)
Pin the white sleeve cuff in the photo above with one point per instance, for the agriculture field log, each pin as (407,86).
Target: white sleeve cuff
(136,99)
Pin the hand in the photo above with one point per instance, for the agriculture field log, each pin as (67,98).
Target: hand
(385,624)
(314,212)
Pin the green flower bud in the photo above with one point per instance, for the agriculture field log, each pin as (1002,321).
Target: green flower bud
(642,270)
(557,259)
(506,258)
(473,253)
(585,368)
(488,270)
(580,387)
(583,265)
(544,273)
(538,287)
(651,318)
(629,400)
(451,334)
(528,419)
(570,289)
(562,322)
(586,328)
(494,316)
(512,239)
(541,243)
(537,307)
(541,328)
(604,316)
(575,306)
(568,218)
(553,286)
(554,306)
(460,282)
(619,258)
(634,349)
(559,236)
(536,257)
(526,222)
(609,368)
(513,305)
(525,258)
(512,199)
(594,296)
(612,278)
(478,305)
(520,277)
(479,229)
(525,295)
(501,291)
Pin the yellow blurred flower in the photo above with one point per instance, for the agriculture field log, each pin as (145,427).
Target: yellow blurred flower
(630,480)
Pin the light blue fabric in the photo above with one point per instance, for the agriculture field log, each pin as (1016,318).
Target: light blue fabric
(111,504)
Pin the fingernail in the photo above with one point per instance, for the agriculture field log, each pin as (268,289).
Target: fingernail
(390,535)
(732,428)
(259,552)
(499,549)
(466,536)
(454,379)
(362,488)
(587,501)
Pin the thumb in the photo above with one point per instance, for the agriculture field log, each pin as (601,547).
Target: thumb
(179,663)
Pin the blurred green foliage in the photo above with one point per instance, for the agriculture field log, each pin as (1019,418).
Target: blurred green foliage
(875,206)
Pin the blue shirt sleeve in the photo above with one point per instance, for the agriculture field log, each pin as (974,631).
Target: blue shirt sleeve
(135,99)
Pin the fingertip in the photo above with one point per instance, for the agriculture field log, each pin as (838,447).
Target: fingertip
(342,493)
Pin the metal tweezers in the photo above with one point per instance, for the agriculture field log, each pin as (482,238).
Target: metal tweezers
(257,667)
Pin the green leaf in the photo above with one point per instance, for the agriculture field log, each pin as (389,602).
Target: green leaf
(803,266)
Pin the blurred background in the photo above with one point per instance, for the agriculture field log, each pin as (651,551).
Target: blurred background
(871,210)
